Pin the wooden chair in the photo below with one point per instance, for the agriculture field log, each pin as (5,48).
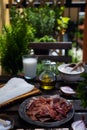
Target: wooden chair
(54,46)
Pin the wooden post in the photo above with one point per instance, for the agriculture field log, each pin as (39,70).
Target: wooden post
(0,18)
(85,37)
(7,15)
(1,15)
(4,14)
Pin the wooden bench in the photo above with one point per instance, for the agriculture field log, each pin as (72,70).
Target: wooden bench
(54,46)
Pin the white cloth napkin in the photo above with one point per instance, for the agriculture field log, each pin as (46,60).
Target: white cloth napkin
(13,88)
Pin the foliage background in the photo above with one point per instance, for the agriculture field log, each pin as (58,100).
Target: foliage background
(26,26)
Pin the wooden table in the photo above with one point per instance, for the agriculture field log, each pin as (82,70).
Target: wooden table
(12,109)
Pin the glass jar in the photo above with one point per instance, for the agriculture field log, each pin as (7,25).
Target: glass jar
(47,77)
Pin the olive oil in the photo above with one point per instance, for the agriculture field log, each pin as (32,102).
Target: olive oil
(47,78)
(47,85)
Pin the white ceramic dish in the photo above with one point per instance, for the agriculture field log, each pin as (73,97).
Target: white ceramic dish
(67,74)
(67,90)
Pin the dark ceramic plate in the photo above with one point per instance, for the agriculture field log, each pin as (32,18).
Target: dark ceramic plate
(25,117)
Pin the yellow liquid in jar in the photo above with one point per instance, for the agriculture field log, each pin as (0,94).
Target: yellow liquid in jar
(47,83)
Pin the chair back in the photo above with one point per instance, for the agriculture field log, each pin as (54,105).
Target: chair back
(62,47)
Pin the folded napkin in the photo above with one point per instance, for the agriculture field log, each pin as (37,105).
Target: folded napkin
(13,88)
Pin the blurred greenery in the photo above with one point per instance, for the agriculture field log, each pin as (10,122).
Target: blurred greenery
(82,90)
(14,43)
(45,38)
(42,19)
(54,68)
(63,23)
(27,25)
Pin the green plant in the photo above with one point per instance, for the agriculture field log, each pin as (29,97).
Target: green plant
(45,38)
(14,43)
(26,26)
(40,68)
(42,19)
(82,90)
(62,24)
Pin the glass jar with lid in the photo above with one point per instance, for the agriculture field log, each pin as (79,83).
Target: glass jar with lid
(47,77)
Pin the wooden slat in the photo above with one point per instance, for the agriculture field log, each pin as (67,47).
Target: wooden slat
(51,45)
(67,4)
(55,58)
(55,46)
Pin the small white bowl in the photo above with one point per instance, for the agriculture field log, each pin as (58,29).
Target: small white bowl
(68,75)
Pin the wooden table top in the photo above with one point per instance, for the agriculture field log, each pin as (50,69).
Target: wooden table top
(12,108)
